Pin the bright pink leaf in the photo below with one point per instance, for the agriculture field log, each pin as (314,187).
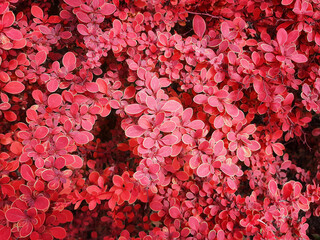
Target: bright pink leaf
(37,12)
(282,36)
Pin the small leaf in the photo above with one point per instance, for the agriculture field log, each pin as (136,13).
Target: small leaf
(203,170)
(272,186)
(282,36)
(134,131)
(108,9)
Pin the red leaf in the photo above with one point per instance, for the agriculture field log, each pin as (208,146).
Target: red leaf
(42,203)
(5,232)
(199,26)
(156,205)
(16,147)
(15,215)
(117,180)
(54,100)
(58,232)
(14,87)
(8,19)
(27,173)
(48,175)
(37,12)
(108,9)
(69,61)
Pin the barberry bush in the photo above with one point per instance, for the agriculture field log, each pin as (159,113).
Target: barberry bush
(158,119)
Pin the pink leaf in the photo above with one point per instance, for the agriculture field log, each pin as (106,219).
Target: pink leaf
(174,212)
(13,34)
(203,170)
(78,162)
(41,132)
(199,26)
(8,19)
(231,184)
(69,61)
(15,215)
(27,173)
(58,232)
(134,131)
(299,58)
(80,137)
(40,57)
(134,109)
(171,106)
(194,223)
(54,100)
(220,235)
(14,87)
(168,126)
(286,2)
(272,186)
(82,29)
(227,169)
(108,9)
(61,142)
(117,180)
(48,175)
(282,36)
(169,139)
(83,17)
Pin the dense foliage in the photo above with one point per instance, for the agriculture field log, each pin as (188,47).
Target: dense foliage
(158,119)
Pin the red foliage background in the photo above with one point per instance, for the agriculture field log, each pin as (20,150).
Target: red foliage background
(158,119)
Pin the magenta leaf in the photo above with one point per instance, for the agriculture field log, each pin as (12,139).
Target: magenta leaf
(41,132)
(62,142)
(171,106)
(40,57)
(194,223)
(199,26)
(8,19)
(54,100)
